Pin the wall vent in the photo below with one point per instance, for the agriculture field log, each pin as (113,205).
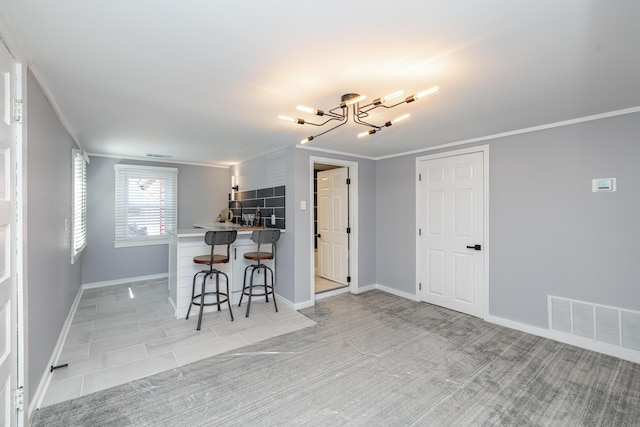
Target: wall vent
(159,156)
(611,325)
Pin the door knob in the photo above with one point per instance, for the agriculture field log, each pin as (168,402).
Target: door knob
(476,247)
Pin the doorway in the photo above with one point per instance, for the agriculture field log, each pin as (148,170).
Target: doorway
(12,411)
(333,226)
(452,220)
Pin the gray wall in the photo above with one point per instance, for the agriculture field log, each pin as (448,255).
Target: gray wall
(302,176)
(549,234)
(52,282)
(395,247)
(202,194)
(293,261)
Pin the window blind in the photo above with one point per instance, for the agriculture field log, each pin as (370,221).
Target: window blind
(79,208)
(146,204)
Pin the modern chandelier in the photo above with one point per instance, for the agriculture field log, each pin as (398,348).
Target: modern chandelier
(359,113)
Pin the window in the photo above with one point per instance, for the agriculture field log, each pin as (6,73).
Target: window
(79,208)
(146,204)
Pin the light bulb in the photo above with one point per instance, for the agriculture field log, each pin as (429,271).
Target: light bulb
(289,119)
(369,132)
(304,141)
(306,109)
(392,96)
(427,92)
(398,119)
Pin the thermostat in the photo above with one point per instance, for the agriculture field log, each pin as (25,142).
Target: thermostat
(603,185)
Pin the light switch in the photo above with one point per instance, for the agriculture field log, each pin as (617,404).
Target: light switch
(303,205)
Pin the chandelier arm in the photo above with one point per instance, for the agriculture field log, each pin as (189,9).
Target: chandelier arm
(329,130)
(341,114)
(365,109)
(361,122)
(323,123)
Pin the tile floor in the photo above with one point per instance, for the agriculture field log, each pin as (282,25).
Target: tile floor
(324,285)
(320,283)
(125,332)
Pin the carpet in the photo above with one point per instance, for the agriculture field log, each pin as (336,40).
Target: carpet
(377,359)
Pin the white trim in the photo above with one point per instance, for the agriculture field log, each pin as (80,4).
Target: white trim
(303,304)
(149,159)
(132,243)
(516,132)
(116,282)
(45,380)
(119,166)
(401,294)
(332,293)
(339,153)
(599,347)
(484,149)
(353,215)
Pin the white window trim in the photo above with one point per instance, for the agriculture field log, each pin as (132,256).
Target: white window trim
(143,240)
(76,251)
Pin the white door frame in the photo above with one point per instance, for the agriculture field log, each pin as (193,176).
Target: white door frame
(485,246)
(353,222)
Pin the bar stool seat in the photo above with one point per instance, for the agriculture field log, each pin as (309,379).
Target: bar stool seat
(213,239)
(261,237)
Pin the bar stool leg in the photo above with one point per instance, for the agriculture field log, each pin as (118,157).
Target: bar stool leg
(204,282)
(244,284)
(218,289)
(273,288)
(193,291)
(264,271)
(228,296)
(250,291)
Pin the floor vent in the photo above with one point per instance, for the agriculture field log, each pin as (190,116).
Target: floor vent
(600,323)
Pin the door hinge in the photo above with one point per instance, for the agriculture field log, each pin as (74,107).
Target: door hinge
(419,231)
(17,110)
(348,181)
(419,177)
(348,279)
(19,399)
(419,286)
(348,230)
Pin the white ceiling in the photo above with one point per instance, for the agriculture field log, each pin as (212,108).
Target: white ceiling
(204,81)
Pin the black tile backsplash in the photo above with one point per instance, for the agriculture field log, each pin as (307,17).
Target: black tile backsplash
(270,200)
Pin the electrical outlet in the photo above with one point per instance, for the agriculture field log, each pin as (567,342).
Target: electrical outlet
(273,219)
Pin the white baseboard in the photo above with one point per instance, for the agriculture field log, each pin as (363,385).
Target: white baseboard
(45,380)
(588,344)
(332,293)
(598,347)
(363,289)
(123,281)
(396,292)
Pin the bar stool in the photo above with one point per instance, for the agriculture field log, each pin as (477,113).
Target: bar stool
(213,239)
(261,237)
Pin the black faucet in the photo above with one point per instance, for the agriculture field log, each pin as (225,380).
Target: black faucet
(232,202)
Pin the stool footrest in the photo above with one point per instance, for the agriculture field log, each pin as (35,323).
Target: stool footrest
(223,298)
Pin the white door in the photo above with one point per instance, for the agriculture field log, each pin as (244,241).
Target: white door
(450,211)
(8,315)
(333,208)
